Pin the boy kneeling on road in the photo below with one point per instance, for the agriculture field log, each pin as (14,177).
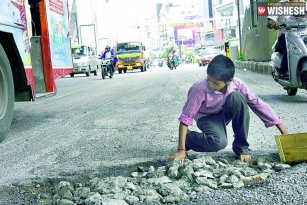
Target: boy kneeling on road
(213,102)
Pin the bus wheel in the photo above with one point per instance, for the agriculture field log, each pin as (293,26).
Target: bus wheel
(6,94)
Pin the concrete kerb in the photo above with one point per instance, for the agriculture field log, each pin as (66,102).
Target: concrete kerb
(260,67)
(254,66)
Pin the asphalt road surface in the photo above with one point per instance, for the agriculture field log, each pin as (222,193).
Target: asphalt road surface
(108,127)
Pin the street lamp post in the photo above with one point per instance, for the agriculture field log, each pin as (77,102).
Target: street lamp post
(239,24)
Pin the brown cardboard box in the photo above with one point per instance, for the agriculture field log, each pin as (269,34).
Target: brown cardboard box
(292,148)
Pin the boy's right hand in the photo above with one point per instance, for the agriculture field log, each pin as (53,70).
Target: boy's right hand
(180,155)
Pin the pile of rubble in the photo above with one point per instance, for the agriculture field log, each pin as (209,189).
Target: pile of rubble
(172,183)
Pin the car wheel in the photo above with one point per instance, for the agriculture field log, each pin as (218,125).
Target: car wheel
(7,96)
(72,75)
(88,73)
(95,71)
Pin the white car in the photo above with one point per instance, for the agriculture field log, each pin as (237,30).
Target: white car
(85,60)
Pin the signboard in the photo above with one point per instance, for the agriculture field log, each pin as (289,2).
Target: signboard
(21,36)
(88,35)
(57,16)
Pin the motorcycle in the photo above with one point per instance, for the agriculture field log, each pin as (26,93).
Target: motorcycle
(172,62)
(296,41)
(107,67)
(160,62)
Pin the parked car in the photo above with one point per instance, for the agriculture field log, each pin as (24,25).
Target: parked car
(85,60)
(206,55)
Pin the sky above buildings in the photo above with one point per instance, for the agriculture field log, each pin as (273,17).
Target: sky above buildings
(120,15)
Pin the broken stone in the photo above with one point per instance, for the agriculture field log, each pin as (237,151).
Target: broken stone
(238,184)
(65,202)
(202,189)
(82,192)
(208,182)
(130,186)
(249,172)
(140,169)
(218,172)
(225,161)
(169,184)
(151,169)
(95,198)
(226,185)
(150,199)
(156,174)
(264,166)
(173,169)
(132,199)
(204,173)
(253,179)
(223,178)
(169,189)
(239,164)
(161,180)
(232,179)
(138,174)
(234,171)
(205,160)
(222,164)
(187,172)
(281,166)
(63,189)
(183,184)
(113,201)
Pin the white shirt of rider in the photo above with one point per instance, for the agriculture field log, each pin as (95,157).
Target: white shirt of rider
(108,54)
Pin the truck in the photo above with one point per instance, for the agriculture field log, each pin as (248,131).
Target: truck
(35,50)
(131,53)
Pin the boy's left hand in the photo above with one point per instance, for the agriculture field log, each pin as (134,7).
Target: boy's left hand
(245,158)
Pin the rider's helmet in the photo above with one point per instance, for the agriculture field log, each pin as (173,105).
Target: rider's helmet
(107,48)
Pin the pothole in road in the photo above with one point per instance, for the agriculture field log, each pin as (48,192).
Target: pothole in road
(168,184)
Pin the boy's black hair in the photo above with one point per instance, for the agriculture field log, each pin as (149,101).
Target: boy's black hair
(221,68)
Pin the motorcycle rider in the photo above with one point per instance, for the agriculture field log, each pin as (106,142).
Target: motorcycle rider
(108,54)
(172,52)
(274,22)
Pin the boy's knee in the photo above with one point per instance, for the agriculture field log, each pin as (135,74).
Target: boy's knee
(217,143)
(205,143)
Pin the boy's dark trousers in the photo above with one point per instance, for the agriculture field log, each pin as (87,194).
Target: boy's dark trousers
(214,135)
